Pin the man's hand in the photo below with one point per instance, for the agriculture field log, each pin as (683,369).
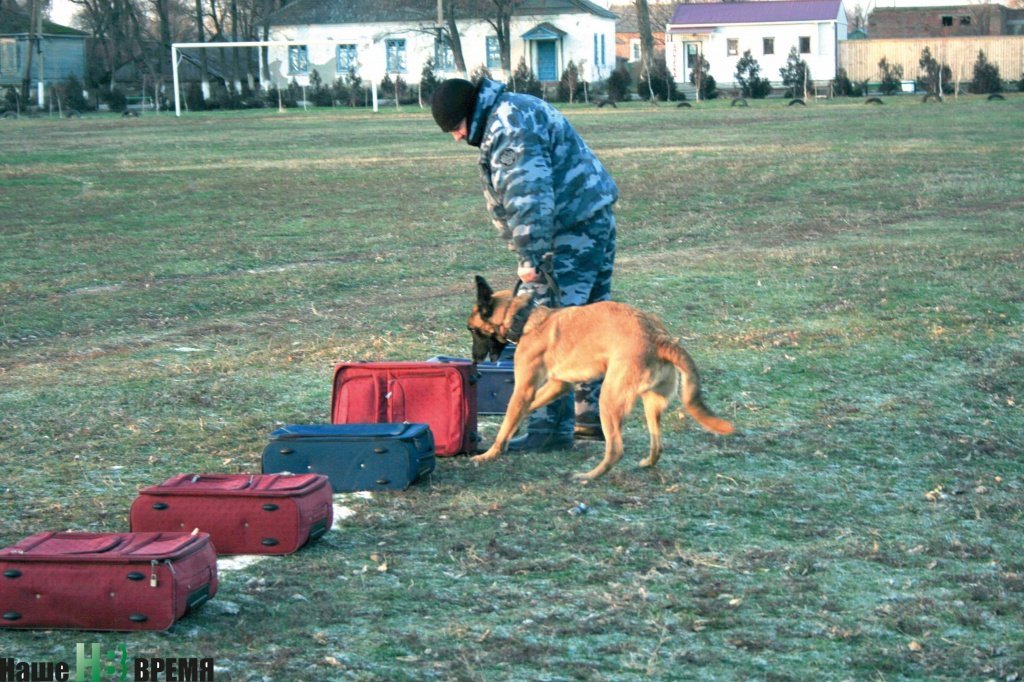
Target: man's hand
(528,273)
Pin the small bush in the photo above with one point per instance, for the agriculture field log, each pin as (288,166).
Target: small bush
(116,99)
(428,80)
(72,96)
(660,82)
(480,73)
(571,85)
(319,94)
(986,76)
(892,77)
(795,74)
(194,100)
(748,77)
(842,86)
(618,84)
(524,80)
(934,75)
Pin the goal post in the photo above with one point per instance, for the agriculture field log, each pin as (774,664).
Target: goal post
(245,43)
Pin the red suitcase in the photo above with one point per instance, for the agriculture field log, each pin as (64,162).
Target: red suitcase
(443,396)
(105,581)
(243,513)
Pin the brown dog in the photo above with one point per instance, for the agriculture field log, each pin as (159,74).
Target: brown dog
(558,348)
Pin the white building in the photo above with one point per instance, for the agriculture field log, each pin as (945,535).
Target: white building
(722,32)
(380,38)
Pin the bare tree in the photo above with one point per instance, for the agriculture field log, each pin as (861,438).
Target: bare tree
(643,20)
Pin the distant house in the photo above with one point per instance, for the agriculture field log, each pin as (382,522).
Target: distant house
(61,51)
(374,39)
(722,32)
(627,30)
(957,21)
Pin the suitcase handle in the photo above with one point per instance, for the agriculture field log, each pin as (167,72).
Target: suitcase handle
(12,573)
(380,450)
(160,506)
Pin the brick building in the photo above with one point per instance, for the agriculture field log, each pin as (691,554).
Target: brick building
(945,22)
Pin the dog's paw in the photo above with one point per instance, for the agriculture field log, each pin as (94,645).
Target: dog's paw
(485,457)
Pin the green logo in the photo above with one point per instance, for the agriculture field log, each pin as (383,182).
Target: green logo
(112,663)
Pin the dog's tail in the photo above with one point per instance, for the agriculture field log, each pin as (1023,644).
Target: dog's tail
(690,393)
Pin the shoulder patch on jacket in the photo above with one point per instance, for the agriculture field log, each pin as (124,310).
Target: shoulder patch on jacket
(507,158)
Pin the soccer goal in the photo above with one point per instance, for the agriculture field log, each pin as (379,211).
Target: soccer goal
(264,77)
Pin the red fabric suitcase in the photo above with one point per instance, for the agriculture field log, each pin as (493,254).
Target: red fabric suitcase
(243,513)
(105,581)
(443,396)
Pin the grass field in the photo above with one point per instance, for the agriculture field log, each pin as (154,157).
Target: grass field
(847,277)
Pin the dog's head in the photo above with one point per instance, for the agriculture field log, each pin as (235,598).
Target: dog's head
(489,322)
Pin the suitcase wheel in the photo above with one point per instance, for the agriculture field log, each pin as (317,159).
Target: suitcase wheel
(12,573)
(318,530)
(269,542)
(136,576)
(198,598)
(138,618)
(270,507)
(12,615)
(160,506)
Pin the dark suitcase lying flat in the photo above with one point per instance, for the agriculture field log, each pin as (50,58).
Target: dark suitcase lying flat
(354,456)
(105,581)
(243,513)
(494,384)
(442,396)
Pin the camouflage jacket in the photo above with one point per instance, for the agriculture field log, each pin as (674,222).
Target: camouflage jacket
(538,174)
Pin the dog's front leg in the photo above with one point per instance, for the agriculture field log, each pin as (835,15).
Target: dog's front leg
(515,414)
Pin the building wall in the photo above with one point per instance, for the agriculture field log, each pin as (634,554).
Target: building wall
(821,60)
(370,40)
(62,56)
(942,22)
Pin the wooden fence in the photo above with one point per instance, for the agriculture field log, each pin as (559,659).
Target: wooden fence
(860,57)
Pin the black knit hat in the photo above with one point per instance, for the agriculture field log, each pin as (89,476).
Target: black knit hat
(453,101)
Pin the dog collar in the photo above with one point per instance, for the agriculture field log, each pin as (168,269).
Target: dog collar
(513,331)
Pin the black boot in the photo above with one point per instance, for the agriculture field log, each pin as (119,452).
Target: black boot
(540,442)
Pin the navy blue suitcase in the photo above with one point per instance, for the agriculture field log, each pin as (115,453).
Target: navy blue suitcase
(494,383)
(353,456)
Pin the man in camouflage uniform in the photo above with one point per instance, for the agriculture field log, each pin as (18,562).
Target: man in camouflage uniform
(546,193)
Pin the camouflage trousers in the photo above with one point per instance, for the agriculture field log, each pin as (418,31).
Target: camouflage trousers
(584,255)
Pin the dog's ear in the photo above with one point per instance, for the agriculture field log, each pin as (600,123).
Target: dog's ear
(484,297)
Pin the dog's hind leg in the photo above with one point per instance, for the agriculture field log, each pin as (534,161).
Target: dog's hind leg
(654,407)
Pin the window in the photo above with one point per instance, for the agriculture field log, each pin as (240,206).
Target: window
(805,44)
(444,58)
(603,62)
(597,56)
(634,50)
(493,53)
(9,56)
(346,60)
(732,46)
(395,48)
(769,46)
(298,60)
(947,21)
(965,21)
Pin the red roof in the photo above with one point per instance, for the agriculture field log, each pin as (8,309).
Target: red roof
(716,14)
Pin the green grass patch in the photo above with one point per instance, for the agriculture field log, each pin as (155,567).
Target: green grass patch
(847,278)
